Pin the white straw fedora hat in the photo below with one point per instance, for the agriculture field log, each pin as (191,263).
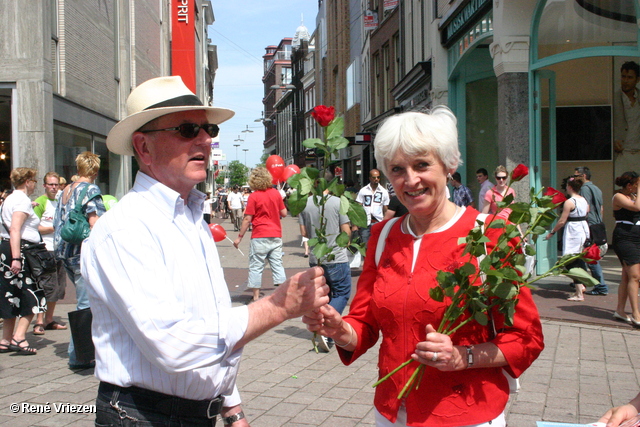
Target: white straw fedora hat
(155,98)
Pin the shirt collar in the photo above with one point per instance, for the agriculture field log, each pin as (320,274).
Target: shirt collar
(167,201)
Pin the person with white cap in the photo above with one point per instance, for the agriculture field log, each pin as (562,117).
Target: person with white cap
(168,342)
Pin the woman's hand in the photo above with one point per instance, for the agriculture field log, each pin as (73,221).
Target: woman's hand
(615,416)
(324,321)
(438,351)
(16,266)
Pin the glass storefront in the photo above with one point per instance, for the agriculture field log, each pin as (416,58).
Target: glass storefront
(69,142)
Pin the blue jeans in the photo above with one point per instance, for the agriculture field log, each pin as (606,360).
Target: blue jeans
(265,249)
(596,272)
(72,266)
(338,277)
(365,233)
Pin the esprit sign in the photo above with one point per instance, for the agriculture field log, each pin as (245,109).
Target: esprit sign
(183,41)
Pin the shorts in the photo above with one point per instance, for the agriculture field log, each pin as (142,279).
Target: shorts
(54,284)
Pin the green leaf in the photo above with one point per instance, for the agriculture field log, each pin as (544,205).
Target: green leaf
(436,294)
(337,143)
(344,205)
(312,142)
(335,187)
(335,128)
(313,241)
(467,269)
(297,202)
(481,318)
(581,276)
(498,223)
(343,239)
(321,250)
(357,215)
(505,290)
(310,173)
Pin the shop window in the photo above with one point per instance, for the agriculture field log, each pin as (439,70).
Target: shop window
(69,142)
(575,24)
(582,133)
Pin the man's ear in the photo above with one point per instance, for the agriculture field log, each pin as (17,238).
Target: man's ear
(141,147)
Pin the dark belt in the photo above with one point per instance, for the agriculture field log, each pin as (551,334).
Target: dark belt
(162,403)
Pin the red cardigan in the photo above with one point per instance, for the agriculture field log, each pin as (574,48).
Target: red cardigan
(392,300)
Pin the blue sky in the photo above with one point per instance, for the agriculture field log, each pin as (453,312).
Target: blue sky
(241,31)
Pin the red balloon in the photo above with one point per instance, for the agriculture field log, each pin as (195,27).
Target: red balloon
(218,233)
(289,171)
(275,166)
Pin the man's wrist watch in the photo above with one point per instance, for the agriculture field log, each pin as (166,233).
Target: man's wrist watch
(227,421)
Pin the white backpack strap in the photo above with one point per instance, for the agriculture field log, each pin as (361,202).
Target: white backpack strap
(482,218)
(382,240)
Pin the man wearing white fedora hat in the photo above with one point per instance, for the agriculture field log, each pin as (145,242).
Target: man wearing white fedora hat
(168,342)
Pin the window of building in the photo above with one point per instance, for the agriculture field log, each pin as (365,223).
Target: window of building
(568,25)
(69,142)
(375,91)
(351,89)
(55,48)
(384,87)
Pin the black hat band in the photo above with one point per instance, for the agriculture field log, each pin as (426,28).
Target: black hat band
(181,101)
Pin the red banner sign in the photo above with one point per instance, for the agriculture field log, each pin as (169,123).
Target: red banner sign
(183,41)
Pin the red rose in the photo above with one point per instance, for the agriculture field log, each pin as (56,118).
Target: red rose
(557,197)
(592,254)
(323,114)
(519,172)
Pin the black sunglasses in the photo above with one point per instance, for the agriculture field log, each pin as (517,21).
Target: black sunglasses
(501,177)
(190,130)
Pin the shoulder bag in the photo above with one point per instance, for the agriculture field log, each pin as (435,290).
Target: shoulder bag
(598,232)
(38,259)
(76,228)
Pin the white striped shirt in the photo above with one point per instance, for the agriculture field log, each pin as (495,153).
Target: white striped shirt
(162,315)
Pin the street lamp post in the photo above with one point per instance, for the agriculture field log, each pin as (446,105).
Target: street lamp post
(236,145)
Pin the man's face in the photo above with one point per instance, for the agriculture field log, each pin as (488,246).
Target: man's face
(481,177)
(628,80)
(176,161)
(51,186)
(374,178)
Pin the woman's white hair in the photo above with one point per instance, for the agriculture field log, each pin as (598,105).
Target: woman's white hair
(417,134)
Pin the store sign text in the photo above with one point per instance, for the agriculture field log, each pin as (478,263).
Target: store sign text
(464,17)
(183,11)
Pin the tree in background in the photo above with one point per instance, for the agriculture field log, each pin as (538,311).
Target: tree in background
(237,173)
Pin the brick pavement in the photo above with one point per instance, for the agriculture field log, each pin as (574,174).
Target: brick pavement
(588,364)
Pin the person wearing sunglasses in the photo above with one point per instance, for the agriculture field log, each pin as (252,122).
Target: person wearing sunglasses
(168,342)
(498,193)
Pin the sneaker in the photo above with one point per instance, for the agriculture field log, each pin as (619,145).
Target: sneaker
(324,344)
(596,292)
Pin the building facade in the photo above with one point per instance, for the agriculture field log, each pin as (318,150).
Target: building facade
(69,67)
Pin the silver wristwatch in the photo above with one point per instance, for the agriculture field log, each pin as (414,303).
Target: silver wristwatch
(233,418)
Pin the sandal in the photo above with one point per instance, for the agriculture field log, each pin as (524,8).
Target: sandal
(4,348)
(38,329)
(575,298)
(55,326)
(24,351)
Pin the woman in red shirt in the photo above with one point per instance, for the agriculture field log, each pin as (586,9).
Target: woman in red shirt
(463,382)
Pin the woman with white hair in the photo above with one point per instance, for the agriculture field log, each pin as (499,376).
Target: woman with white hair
(463,382)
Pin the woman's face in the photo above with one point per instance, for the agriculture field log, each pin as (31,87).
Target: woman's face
(419,181)
(501,179)
(31,186)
